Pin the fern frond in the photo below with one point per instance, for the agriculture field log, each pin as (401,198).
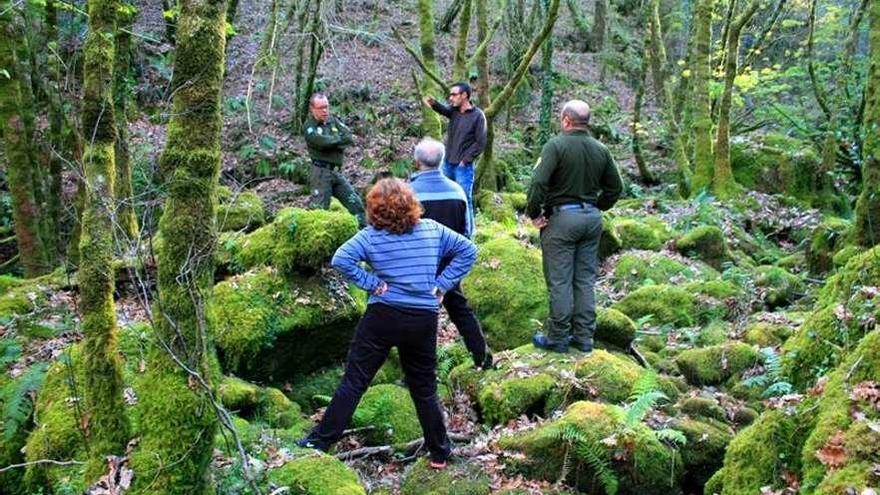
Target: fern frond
(647,382)
(591,454)
(17,403)
(671,436)
(638,409)
(777,389)
(756,381)
(772,364)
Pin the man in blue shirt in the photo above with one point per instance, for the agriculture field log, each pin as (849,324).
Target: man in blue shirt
(445,202)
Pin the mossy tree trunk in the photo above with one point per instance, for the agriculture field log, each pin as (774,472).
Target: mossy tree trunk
(867,224)
(723,183)
(545,119)
(19,166)
(637,128)
(600,26)
(125,215)
(700,76)
(57,140)
(459,64)
(487,177)
(107,428)
(452,11)
(430,120)
(657,50)
(178,415)
(482,57)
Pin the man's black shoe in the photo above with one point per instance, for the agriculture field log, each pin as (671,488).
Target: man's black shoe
(305,443)
(541,342)
(487,363)
(585,347)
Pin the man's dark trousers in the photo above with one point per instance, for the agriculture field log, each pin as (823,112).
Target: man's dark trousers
(465,321)
(326,182)
(414,333)
(570,245)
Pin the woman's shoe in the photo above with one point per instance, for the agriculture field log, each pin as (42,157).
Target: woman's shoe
(438,465)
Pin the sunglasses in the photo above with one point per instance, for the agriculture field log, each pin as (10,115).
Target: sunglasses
(454,94)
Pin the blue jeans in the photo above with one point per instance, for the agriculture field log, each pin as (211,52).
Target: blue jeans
(463,175)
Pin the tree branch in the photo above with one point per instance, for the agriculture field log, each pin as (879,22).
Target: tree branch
(414,54)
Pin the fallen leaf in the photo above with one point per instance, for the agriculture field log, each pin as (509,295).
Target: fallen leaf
(833,454)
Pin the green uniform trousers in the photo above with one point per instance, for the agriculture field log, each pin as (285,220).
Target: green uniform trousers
(326,183)
(570,245)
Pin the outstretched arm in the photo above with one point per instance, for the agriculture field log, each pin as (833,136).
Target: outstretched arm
(347,259)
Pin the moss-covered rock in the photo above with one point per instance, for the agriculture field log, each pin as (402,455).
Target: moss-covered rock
(238,395)
(846,253)
(392,414)
(704,452)
(239,211)
(21,300)
(317,474)
(614,327)
(297,240)
(459,478)
(316,389)
(715,333)
(609,242)
(638,460)
(506,289)
(665,304)
(716,364)
(635,269)
(779,286)
(269,328)
(702,407)
(634,234)
(501,207)
(705,243)
(827,238)
(280,412)
(767,333)
(9,282)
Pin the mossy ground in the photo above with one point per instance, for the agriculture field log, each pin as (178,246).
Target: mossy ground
(317,474)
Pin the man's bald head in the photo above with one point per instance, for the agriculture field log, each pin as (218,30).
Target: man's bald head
(429,153)
(578,112)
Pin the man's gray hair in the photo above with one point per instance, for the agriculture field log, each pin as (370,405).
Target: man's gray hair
(577,111)
(429,152)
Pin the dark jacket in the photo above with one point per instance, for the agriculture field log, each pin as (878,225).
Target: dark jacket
(443,200)
(574,168)
(466,136)
(327,141)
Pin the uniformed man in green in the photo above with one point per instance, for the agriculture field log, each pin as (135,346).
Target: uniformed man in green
(573,181)
(327,137)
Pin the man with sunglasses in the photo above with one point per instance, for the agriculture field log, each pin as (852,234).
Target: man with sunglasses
(465,138)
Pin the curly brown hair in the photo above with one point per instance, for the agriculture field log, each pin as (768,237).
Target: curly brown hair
(392,206)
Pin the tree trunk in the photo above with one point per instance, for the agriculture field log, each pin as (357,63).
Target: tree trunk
(637,131)
(867,224)
(107,427)
(580,24)
(701,67)
(452,11)
(459,65)
(600,26)
(663,89)
(430,120)
(545,124)
(178,418)
(723,183)
(57,148)
(17,149)
(125,215)
(482,61)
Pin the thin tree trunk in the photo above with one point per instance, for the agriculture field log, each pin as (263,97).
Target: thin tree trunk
(452,11)
(178,416)
(125,215)
(107,427)
(600,25)
(482,57)
(430,120)
(701,67)
(637,131)
(459,67)
(723,183)
(867,221)
(818,92)
(56,131)
(545,118)
(17,149)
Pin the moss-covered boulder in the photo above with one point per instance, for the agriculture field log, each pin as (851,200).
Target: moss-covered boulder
(238,395)
(269,329)
(609,242)
(634,234)
(507,291)
(767,333)
(390,411)
(779,286)
(703,454)
(501,207)
(635,457)
(634,269)
(664,303)
(715,364)
(702,407)
(614,327)
(317,474)
(776,164)
(459,478)
(241,210)
(705,243)
(296,241)
(315,389)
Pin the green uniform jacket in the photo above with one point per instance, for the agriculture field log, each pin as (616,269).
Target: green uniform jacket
(574,168)
(327,141)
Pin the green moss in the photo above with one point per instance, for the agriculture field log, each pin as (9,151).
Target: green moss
(297,240)
(279,411)
(311,391)
(459,478)
(766,334)
(842,257)
(795,262)
(705,243)
(817,346)
(641,463)
(702,407)
(744,416)
(776,164)
(614,327)
(501,207)
(239,211)
(21,300)
(779,286)
(665,303)
(391,371)
(609,242)
(704,452)
(271,328)
(506,289)
(715,484)
(634,234)
(238,395)
(715,333)
(317,474)
(636,269)
(760,454)
(9,282)
(716,364)
(391,412)
(507,399)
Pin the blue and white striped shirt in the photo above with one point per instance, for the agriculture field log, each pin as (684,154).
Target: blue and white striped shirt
(443,200)
(407,262)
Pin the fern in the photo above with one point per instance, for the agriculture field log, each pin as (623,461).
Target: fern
(17,404)
(647,382)
(639,408)
(10,350)
(772,364)
(771,380)
(777,389)
(593,455)
(669,435)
